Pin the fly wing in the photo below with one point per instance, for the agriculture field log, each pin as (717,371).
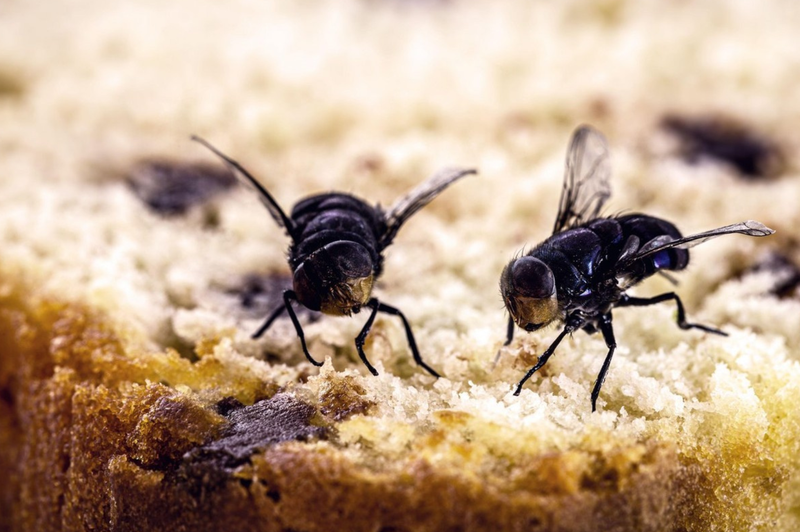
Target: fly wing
(245,177)
(586,179)
(749,228)
(423,194)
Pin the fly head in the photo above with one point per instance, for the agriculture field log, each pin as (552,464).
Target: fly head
(529,293)
(337,279)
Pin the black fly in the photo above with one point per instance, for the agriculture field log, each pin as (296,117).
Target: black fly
(580,274)
(336,252)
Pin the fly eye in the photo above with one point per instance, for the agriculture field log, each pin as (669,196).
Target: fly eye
(532,278)
(306,292)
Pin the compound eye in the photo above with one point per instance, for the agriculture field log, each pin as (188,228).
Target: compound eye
(533,278)
(350,258)
(306,292)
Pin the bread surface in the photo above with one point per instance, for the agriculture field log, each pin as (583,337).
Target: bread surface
(133,271)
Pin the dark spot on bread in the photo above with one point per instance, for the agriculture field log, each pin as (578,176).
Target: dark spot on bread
(785,270)
(169,339)
(261,294)
(227,405)
(275,420)
(6,396)
(371,163)
(272,493)
(725,140)
(171,188)
(252,428)
(599,108)
(11,86)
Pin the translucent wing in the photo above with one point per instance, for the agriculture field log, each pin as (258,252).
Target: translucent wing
(749,228)
(266,198)
(586,179)
(406,206)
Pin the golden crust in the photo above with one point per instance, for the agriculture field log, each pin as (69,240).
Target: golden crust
(103,446)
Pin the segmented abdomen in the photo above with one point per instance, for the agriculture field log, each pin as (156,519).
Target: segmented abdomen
(646,228)
(327,218)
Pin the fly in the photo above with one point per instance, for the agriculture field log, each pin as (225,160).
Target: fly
(336,252)
(582,271)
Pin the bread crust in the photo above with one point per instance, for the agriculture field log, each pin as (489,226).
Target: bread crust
(106,447)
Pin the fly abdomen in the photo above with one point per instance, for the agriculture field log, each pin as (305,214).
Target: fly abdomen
(327,218)
(646,228)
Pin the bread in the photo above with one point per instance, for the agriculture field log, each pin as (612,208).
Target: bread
(132,396)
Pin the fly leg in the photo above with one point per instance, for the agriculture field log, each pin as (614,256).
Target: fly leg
(510,332)
(362,336)
(628,301)
(509,337)
(288,297)
(608,336)
(382,307)
(272,317)
(568,329)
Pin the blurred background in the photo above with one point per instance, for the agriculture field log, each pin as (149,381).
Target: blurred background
(485,81)
(698,101)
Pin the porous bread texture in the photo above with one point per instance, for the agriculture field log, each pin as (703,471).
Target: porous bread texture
(100,297)
(109,437)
